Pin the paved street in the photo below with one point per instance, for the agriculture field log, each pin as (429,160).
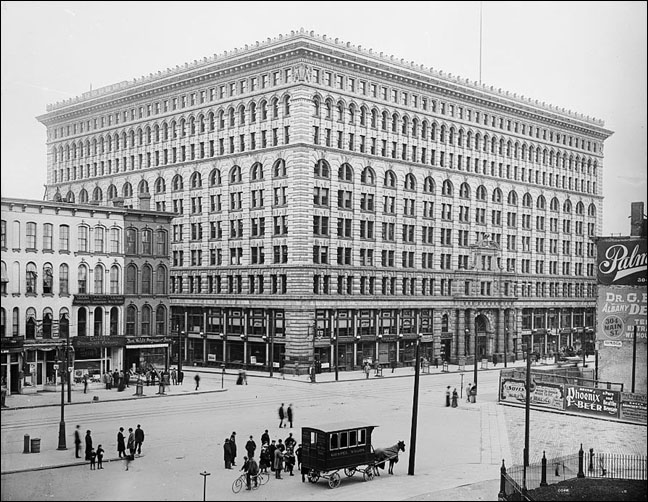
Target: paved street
(458,452)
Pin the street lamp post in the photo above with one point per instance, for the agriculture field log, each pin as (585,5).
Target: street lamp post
(180,333)
(506,345)
(474,387)
(69,369)
(204,474)
(417,366)
(61,368)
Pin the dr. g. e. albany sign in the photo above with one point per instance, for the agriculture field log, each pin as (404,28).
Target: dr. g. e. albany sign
(622,262)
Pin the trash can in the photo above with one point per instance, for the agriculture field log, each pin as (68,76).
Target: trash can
(139,388)
(26,445)
(35,445)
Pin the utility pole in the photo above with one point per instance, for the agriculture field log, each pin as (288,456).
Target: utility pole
(417,366)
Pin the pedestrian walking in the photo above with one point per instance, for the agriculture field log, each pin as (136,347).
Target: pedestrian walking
(281,446)
(174,377)
(290,441)
(197,379)
(265,438)
(278,462)
(180,377)
(93,457)
(289,461)
(139,439)
(88,445)
(77,441)
(281,416)
(290,415)
(131,443)
(233,447)
(302,469)
(227,454)
(121,443)
(85,383)
(250,447)
(468,389)
(367,369)
(448,396)
(454,397)
(100,456)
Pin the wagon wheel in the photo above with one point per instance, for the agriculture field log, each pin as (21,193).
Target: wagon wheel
(368,473)
(349,471)
(313,476)
(334,480)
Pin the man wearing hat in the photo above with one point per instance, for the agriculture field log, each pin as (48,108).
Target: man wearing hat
(139,439)
(233,447)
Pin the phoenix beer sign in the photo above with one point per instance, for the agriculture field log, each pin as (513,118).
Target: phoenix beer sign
(622,262)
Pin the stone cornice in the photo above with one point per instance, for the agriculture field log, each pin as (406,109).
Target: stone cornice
(281,47)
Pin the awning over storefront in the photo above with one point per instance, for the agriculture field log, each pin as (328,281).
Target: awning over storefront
(148,346)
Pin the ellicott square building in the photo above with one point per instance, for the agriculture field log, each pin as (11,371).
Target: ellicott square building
(327,195)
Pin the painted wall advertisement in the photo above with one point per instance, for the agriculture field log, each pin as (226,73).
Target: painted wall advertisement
(542,394)
(601,402)
(619,310)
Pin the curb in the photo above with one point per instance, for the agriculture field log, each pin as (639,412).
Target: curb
(58,466)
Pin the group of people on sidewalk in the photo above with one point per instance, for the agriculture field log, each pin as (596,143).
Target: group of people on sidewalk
(95,457)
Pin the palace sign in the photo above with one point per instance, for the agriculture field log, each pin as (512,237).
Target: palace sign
(622,262)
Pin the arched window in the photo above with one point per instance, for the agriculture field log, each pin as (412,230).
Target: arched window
(410,182)
(114,322)
(147,241)
(160,321)
(512,198)
(64,279)
(160,280)
(481,193)
(15,322)
(368,176)
(541,202)
(497,196)
(114,280)
(322,169)
(127,190)
(30,323)
(447,188)
(30,278)
(131,319)
(48,279)
(567,207)
(464,190)
(47,323)
(131,241)
(215,178)
(235,175)
(131,279)
(390,179)
(196,180)
(111,193)
(98,321)
(286,102)
(161,242)
(580,208)
(256,172)
(64,323)
(146,280)
(82,322)
(554,205)
(143,187)
(98,280)
(146,321)
(99,239)
(176,183)
(591,210)
(83,196)
(97,195)
(279,168)
(345,173)
(317,105)
(429,185)
(527,200)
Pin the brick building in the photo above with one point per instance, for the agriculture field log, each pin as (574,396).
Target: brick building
(327,193)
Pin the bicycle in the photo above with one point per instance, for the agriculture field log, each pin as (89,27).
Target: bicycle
(261,479)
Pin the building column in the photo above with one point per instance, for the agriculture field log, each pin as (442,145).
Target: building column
(500,335)
(436,333)
(472,335)
(461,333)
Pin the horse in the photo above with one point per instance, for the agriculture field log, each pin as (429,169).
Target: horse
(391,454)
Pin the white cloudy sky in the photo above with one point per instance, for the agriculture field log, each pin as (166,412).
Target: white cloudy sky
(588,57)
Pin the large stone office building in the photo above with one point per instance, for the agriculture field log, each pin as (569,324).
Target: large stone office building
(330,196)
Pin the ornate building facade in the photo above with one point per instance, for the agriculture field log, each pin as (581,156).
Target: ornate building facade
(89,277)
(330,197)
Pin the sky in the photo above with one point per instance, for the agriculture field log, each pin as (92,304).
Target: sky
(588,57)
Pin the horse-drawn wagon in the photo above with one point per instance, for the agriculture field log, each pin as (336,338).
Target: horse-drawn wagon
(343,446)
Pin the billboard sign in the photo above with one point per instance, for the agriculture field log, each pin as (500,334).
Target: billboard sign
(619,310)
(591,401)
(622,261)
(543,394)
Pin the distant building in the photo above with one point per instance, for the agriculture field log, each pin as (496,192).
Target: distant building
(95,274)
(325,192)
